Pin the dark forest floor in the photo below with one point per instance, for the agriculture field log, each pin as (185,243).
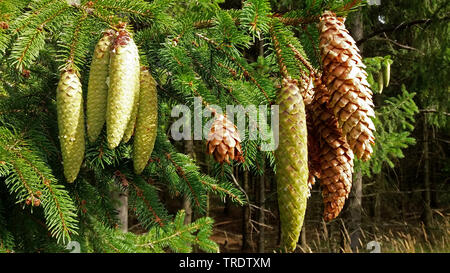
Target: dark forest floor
(392,236)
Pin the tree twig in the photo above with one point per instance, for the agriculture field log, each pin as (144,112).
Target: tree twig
(401,26)
(400,45)
(434,111)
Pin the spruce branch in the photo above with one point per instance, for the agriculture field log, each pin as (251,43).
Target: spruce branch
(286,20)
(214,78)
(146,193)
(64,228)
(302,59)
(31,181)
(247,74)
(297,21)
(180,237)
(28,18)
(283,69)
(31,41)
(402,26)
(76,35)
(224,188)
(29,191)
(137,7)
(350,5)
(255,15)
(182,174)
(314,47)
(140,194)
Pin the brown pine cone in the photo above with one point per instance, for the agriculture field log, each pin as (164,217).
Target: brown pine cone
(224,142)
(350,98)
(334,159)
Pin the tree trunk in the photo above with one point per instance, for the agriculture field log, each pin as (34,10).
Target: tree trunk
(122,208)
(261,220)
(404,196)
(246,217)
(188,210)
(356,212)
(208,171)
(187,207)
(356,200)
(435,157)
(427,215)
(379,189)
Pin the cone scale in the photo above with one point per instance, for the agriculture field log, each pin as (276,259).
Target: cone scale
(69,101)
(291,164)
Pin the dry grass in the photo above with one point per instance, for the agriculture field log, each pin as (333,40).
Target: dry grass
(393,237)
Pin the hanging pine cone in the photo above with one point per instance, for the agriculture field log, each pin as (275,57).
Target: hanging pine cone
(292,164)
(224,142)
(97,88)
(146,122)
(69,102)
(387,72)
(124,68)
(131,124)
(335,158)
(380,82)
(344,75)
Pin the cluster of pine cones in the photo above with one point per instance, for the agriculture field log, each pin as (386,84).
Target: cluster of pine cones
(324,121)
(335,126)
(121,94)
(341,113)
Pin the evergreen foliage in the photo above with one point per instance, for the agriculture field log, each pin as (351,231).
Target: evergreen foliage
(394,121)
(200,53)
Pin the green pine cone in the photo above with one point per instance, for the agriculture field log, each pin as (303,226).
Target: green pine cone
(98,89)
(147,122)
(69,101)
(122,86)
(380,82)
(387,72)
(291,164)
(131,124)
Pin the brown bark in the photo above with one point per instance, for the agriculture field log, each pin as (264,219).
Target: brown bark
(427,215)
(356,200)
(356,211)
(261,219)
(246,217)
